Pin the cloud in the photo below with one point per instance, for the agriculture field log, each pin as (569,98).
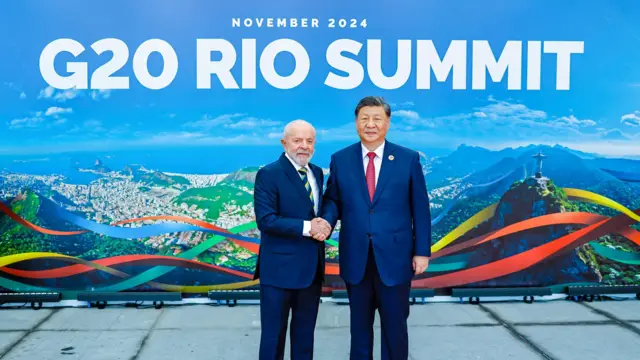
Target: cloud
(40,119)
(631,119)
(54,111)
(207,122)
(64,95)
(404,104)
(26,122)
(87,127)
(499,110)
(58,95)
(100,94)
(232,122)
(407,114)
(252,123)
(613,134)
(497,120)
(492,125)
(573,121)
(46,119)
(23,96)
(198,139)
(409,119)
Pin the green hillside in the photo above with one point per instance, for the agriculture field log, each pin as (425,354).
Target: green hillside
(16,239)
(214,198)
(245,177)
(160,179)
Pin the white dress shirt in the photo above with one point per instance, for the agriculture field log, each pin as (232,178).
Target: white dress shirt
(377,160)
(314,189)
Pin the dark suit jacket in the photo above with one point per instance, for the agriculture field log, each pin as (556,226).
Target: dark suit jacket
(397,221)
(287,259)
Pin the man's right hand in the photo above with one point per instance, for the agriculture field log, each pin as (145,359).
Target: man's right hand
(320,229)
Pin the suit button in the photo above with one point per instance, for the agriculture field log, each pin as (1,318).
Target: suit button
(370,211)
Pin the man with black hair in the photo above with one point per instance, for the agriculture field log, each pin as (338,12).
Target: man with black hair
(378,192)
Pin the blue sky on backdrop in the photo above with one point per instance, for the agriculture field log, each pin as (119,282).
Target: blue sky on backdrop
(601,109)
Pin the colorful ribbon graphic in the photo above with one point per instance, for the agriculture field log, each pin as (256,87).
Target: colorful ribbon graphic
(446,259)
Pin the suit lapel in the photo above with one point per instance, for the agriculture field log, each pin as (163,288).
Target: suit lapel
(359,174)
(386,170)
(295,179)
(317,172)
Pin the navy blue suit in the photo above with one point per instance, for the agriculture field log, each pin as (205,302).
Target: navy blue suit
(378,240)
(290,265)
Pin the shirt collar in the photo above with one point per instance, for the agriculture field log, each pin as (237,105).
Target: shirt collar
(379,151)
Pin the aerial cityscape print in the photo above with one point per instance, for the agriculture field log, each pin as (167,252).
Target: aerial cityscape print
(140,190)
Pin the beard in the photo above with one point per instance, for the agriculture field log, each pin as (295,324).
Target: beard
(302,158)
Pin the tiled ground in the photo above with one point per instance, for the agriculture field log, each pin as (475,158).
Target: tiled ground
(556,329)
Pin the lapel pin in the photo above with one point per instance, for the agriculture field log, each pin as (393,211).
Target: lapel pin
(391,157)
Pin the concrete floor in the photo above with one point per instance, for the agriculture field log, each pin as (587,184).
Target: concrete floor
(557,329)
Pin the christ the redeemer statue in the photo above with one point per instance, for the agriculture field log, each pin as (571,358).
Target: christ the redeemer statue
(539,156)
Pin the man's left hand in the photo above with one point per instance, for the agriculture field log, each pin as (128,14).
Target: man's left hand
(420,264)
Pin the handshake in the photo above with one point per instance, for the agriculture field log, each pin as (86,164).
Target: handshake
(320,229)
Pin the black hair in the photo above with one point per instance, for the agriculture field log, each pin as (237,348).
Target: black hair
(373,101)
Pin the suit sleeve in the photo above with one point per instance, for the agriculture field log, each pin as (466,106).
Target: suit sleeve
(265,203)
(331,199)
(420,210)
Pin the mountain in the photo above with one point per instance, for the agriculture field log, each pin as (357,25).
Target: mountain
(245,177)
(217,199)
(232,196)
(578,153)
(465,160)
(156,178)
(616,164)
(477,165)
(153,178)
(524,200)
(100,167)
(566,167)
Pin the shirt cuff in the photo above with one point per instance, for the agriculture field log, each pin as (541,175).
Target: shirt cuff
(306,228)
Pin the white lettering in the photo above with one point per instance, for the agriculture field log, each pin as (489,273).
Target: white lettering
(248,63)
(350,66)
(564,49)
(374,65)
(455,60)
(141,68)
(509,61)
(102,78)
(267,63)
(534,59)
(78,70)
(205,67)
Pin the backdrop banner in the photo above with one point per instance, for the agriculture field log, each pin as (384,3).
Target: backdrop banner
(131,135)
